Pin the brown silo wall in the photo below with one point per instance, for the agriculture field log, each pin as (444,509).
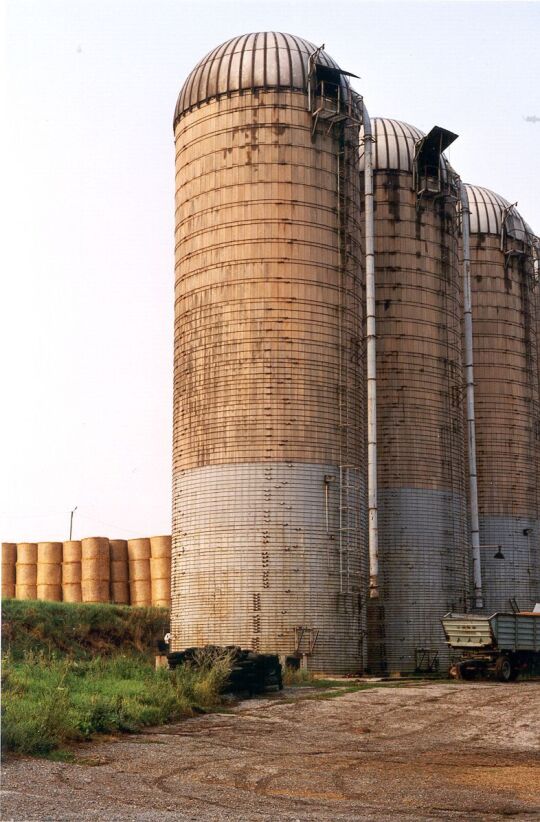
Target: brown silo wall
(95,569)
(268,387)
(505,327)
(9,561)
(71,571)
(119,572)
(423,557)
(26,571)
(49,571)
(160,570)
(140,587)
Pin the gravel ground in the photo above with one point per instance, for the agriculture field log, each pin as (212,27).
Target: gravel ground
(423,752)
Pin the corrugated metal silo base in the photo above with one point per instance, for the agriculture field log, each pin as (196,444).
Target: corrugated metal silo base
(423,530)
(255,563)
(515,575)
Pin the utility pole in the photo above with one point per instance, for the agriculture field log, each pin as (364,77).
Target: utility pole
(71,521)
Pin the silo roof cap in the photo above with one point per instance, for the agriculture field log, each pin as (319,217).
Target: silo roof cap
(490,212)
(261,60)
(394,146)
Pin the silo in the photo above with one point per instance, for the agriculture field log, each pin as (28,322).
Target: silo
(504,306)
(423,560)
(268,463)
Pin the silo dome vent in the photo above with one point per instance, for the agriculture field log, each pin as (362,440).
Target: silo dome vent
(399,146)
(261,60)
(491,213)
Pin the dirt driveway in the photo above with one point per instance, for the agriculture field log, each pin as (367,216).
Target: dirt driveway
(424,752)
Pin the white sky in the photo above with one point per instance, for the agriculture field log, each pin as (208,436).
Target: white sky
(87,325)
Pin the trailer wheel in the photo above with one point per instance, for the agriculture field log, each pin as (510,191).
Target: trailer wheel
(504,670)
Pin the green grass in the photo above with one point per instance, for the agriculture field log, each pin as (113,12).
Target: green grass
(80,631)
(72,671)
(49,701)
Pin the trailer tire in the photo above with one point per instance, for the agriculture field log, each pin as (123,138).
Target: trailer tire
(504,670)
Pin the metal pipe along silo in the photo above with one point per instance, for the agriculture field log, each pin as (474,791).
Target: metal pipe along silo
(423,556)
(504,306)
(269,443)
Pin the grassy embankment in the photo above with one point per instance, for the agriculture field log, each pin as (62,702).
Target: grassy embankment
(70,671)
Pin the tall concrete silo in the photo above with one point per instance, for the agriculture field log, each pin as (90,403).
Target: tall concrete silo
(268,536)
(423,558)
(505,347)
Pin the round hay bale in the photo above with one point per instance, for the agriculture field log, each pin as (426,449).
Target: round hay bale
(119,571)
(49,553)
(71,573)
(139,570)
(95,569)
(72,551)
(138,549)
(95,548)
(8,580)
(27,553)
(160,547)
(49,592)
(25,591)
(49,571)
(140,593)
(71,592)
(120,592)
(26,574)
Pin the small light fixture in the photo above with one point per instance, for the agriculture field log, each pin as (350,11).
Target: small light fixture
(499,554)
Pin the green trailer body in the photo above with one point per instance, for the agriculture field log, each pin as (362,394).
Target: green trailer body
(504,643)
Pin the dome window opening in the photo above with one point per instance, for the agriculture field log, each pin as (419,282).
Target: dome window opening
(329,95)
(428,169)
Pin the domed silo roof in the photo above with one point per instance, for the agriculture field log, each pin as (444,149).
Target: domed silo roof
(261,60)
(394,146)
(489,211)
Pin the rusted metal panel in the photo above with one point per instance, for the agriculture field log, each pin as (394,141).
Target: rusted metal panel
(424,565)
(269,371)
(505,328)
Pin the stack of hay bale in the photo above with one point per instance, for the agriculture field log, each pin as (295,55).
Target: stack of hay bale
(126,572)
(71,571)
(49,571)
(95,569)
(26,571)
(119,572)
